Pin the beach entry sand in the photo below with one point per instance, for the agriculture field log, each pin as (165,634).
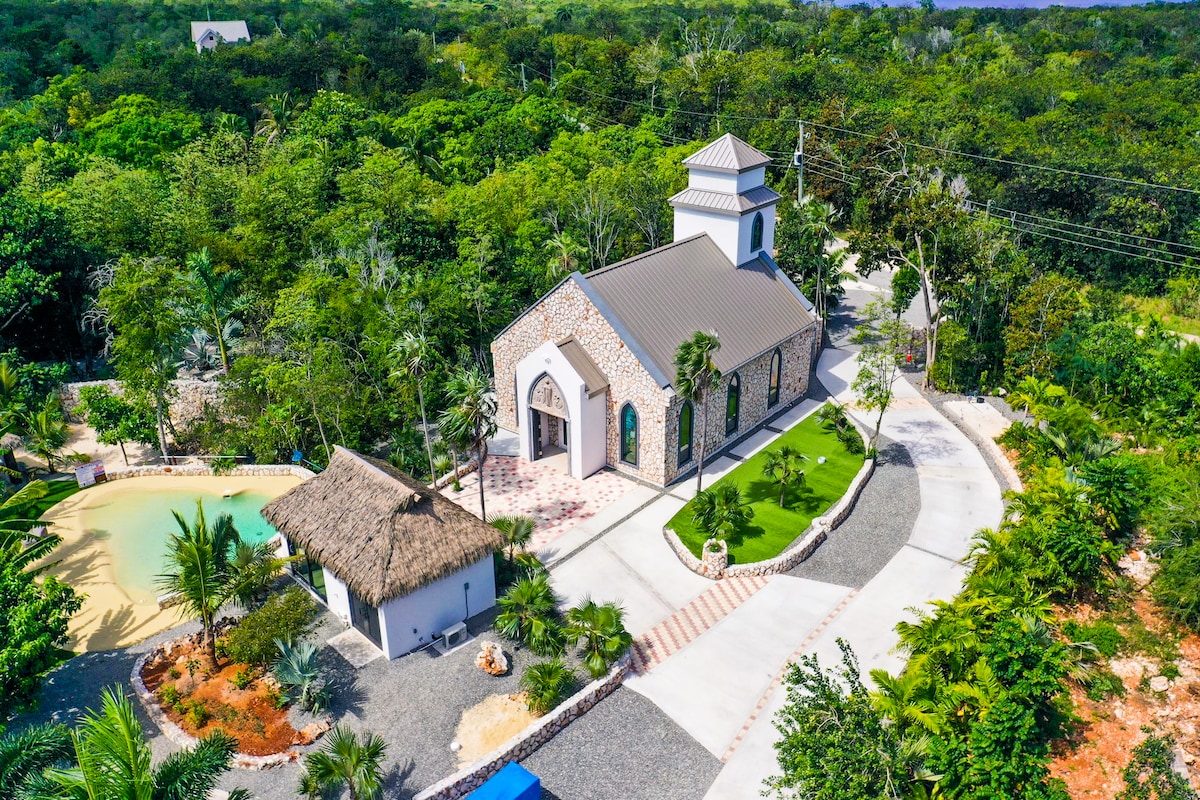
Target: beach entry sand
(489,724)
(112,616)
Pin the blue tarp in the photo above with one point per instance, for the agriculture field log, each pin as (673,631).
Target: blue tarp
(513,782)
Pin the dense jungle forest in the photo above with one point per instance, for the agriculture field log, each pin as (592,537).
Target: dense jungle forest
(282,212)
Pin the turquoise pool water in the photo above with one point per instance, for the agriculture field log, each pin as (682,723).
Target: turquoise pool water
(135,524)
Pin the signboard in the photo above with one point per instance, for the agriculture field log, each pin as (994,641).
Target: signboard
(90,473)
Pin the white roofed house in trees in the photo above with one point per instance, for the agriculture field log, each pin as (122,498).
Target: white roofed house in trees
(207,34)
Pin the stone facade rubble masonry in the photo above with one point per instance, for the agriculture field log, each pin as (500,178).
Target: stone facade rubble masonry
(188,401)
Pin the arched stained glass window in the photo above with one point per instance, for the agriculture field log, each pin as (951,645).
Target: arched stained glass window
(733,397)
(685,432)
(629,435)
(756,232)
(776,378)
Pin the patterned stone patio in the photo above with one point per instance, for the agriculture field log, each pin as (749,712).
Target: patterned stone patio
(541,490)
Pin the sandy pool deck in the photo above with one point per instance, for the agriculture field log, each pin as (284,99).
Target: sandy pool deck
(110,618)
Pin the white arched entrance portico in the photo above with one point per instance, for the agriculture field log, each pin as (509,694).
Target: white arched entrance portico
(557,411)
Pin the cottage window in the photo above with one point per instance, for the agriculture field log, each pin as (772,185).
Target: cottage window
(776,378)
(685,433)
(733,397)
(310,573)
(629,435)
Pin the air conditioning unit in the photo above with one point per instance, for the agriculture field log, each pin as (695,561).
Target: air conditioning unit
(453,636)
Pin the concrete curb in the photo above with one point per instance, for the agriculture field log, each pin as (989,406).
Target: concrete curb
(192,470)
(524,744)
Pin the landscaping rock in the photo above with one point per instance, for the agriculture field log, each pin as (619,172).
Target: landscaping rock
(311,732)
(491,659)
(1160,683)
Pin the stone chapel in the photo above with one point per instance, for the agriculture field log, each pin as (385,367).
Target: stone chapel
(585,374)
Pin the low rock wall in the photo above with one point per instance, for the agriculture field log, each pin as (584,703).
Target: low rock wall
(187,403)
(520,747)
(249,470)
(798,551)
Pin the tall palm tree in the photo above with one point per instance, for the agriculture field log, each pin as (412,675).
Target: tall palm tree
(219,300)
(46,431)
(413,358)
(275,118)
(564,255)
(14,530)
(783,467)
(204,571)
(471,419)
(344,762)
(112,761)
(600,628)
(695,375)
(721,510)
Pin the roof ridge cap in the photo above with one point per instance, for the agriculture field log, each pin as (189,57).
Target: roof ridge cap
(661,248)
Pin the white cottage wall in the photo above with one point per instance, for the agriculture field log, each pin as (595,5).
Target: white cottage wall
(416,619)
(712,181)
(337,596)
(751,179)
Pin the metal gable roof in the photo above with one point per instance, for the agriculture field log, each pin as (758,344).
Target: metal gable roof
(230,30)
(664,296)
(728,154)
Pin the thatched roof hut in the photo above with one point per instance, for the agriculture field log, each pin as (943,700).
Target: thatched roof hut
(382,533)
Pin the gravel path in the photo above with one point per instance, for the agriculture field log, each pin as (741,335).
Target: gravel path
(626,748)
(879,525)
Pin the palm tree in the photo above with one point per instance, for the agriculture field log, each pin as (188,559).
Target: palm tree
(783,467)
(546,684)
(15,546)
(345,763)
(564,255)
(721,510)
(695,375)
(413,358)
(517,530)
(529,613)
(601,630)
(113,761)
(24,756)
(219,300)
(46,432)
(1034,396)
(204,571)
(471,419)
(276,116)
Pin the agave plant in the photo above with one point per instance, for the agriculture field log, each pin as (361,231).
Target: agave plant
(298,673)
(546,684)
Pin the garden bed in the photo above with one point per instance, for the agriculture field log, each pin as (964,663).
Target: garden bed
(239,700)
(773,528)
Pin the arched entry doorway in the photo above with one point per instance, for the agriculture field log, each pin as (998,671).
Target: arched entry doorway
(549,423)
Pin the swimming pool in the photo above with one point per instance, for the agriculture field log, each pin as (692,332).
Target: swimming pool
(136,524)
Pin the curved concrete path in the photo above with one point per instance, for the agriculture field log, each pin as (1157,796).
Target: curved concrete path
(959,495)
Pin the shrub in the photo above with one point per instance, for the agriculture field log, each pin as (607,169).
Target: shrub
(173,673)
(169,694)
(1105,685)
(600,630)
(242,678)
(529,614)
(288,616)
(197,714)
(298,673)
(851,441)
(547,684)
(1101,633)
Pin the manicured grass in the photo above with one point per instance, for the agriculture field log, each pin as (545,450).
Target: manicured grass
(774,528)
(59,491)
(1161,307)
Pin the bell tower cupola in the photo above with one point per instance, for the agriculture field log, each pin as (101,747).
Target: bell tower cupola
(727,198)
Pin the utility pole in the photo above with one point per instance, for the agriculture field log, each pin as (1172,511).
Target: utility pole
(800,167)
(524,85)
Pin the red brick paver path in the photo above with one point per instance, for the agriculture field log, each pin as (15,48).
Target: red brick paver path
(688,623)
(540,490)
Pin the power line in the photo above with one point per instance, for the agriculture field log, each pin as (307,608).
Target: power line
(1055,221)
(861,134)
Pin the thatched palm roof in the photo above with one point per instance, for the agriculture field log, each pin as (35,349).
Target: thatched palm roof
(378,530)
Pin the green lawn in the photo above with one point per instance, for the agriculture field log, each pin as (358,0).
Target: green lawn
(1161,307)
(774,528)
(59,491)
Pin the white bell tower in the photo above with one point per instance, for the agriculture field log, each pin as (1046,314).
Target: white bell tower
(727,198)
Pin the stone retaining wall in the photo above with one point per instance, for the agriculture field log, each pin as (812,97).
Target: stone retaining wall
(520,747)
(714,567)
(181,737)
(188,402)
(249,470)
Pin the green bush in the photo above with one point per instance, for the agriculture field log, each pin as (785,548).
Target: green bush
(851,441)
(1101,633)
(197,714)
(242,678)
(1104,685)
(169,694)
(289,615)
(547,684)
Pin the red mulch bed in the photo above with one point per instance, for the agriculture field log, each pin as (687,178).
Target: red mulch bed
(249,715)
